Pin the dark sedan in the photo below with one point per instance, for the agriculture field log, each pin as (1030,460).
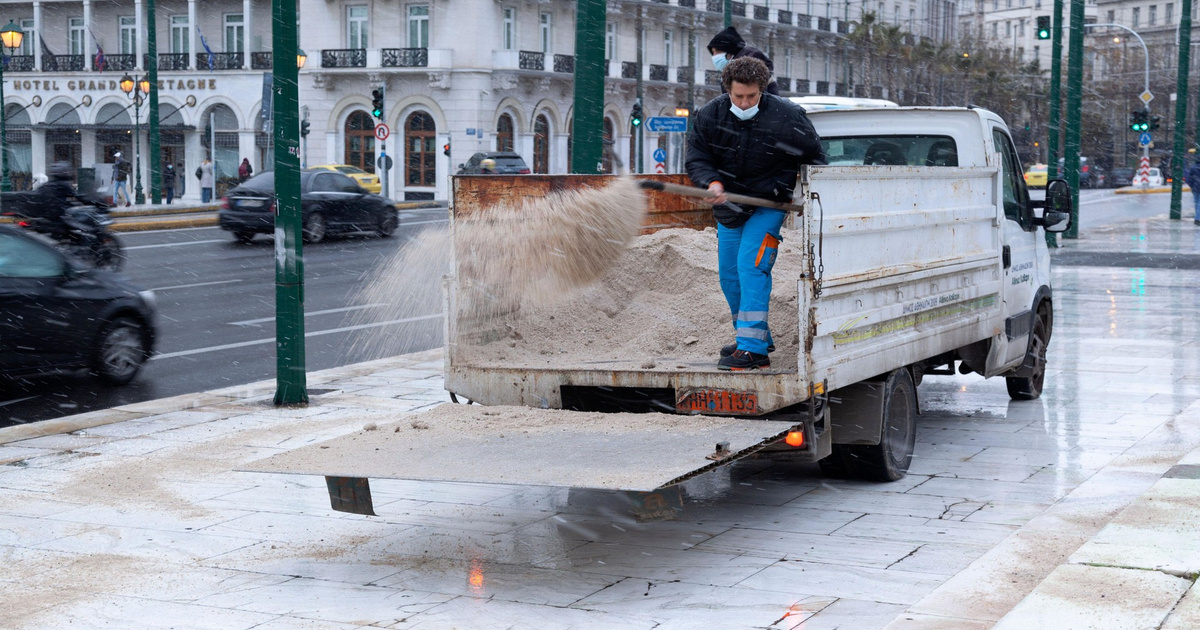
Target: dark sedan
(57,315)
(330,203)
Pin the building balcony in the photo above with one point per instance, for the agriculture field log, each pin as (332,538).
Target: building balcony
(63,63)
(530,60)
(404,57)
(684,73)
(115,63)
(658,73)
(344,58)
(221,61)
(261,61)
(784,84)
(169,62)
(564,63)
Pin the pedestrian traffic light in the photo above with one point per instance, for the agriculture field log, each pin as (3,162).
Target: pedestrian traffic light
(1043,27)
(446,149)
(635,119)
(1139,121)
(1154,120)
(304,128)
(377,103)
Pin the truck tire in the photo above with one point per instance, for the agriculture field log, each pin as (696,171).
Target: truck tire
(1030,387)
(888,460)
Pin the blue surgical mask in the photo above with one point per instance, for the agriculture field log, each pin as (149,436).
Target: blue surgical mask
(743,114)
(719,61)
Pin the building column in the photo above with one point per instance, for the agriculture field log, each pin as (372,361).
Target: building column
(37,157)
(247,149)
(331,145)
(248,34)
(139,20)
(87,151)
(37,31)
(193,35)
(193,153)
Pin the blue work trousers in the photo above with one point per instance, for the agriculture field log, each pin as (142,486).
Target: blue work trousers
(745,256)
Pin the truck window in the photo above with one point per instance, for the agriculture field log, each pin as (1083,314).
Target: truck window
(1014,183)
(891,151)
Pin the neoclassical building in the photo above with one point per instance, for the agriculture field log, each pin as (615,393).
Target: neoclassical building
(477,75)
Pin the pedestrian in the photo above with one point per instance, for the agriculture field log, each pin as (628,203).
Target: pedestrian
(120,178)
(1192,179)
(182,178)
(729,45)
(245,170)
(169,181)
(750,142)
(204,173)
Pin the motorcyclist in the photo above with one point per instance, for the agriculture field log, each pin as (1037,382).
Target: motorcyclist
(52,199)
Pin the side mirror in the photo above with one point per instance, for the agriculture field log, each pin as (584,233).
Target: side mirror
(1057,214)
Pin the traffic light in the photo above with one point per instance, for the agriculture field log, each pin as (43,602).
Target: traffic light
(377,103)
(1043,27)
(304,128)
(1154,120)
(1139,121)
(446,149)
(635,119)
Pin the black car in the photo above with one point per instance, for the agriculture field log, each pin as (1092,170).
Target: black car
(57,314)
(507,163)
(330,203)
(1121,176)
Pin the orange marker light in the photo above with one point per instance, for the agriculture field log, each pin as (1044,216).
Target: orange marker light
(795,439)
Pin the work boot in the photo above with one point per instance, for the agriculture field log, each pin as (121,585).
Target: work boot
(731,348)
(742,360)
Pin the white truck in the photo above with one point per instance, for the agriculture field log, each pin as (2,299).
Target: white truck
(922,254)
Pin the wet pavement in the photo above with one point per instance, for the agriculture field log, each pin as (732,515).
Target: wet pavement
(1079,510)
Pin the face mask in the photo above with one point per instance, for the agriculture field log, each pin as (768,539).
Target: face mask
(719,61)
(743,114)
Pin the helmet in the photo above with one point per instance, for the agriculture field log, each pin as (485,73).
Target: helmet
(488,163)
(61,171)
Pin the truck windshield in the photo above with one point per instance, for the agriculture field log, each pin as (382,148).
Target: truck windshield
(891,151)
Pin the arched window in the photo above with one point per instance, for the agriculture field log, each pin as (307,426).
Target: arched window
(504,133)
(541,144)
(608,146)
(360,141)
(420,150)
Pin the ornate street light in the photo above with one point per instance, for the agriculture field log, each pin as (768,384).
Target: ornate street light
(301,57)
(11,36)
(143,87)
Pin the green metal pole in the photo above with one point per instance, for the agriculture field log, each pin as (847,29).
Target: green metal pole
(1055,128)
(1181,94)
(289,259)
(1074,106)
(728,13)
(152,74)
(5,182)
(587,150)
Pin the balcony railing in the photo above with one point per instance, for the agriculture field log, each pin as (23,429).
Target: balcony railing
(712,77)
(344,58)
(564,63)
(691,4)
(784,83)
(683,74)
(116,63)
(804,20)
(843,27)
(839,89)
(785,17)
(530,60)
(762,13)
(823,24)
(404,57)
(221,61)
(658,72)
(629,70)
(261,61)
(62,63)
(739,9)
(823,87)
(715,6)
(169,61)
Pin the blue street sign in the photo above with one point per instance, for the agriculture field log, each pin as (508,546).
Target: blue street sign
(470,131)
(660,155)
(1144,139)
(667,124)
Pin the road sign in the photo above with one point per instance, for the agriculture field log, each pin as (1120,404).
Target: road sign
(667,124)
(381,132)
(1143,174)
(659,167)
(1144,139)
(660,155)
(384,162)
(1146,97)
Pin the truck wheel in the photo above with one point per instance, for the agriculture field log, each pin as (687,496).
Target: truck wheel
(889,460)
(1030,387)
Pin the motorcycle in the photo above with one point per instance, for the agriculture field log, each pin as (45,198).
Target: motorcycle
(86,236)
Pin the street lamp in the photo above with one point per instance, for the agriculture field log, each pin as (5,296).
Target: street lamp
(11,36)
(143,87)
(301,57)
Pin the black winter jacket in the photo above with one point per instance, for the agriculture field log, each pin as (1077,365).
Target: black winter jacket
(758,157)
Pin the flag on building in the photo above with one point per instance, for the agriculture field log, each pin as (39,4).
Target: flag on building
(49,60)
(208,50)
(98,61)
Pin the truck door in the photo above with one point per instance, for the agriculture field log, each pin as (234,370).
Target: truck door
(1019,252)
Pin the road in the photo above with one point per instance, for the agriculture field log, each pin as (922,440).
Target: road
(217,307)
(216,302)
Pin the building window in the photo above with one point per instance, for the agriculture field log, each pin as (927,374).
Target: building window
(235,33)
(610,41)
(995,30)
(504,133)
(360,141)
(545,26)
(128,35)
(1153,14)
(541,145)
(1137,17)
(1112,17)
(420,150)
(75,36)
(356,27)
(1021,27)
(995,5)
(181,34)
(1007,4)
(1169,15)
(668,48)
(509,26)
(1037,52)
(418,26)
(1007,29)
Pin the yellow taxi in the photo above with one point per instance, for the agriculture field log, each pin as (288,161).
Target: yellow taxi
(1035,177)
(370,181)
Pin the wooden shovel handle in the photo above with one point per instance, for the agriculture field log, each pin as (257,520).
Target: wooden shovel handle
(701,193)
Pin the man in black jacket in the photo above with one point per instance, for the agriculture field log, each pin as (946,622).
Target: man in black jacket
(729,45)
(752,143)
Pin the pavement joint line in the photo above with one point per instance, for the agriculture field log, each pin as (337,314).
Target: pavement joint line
(1191,576)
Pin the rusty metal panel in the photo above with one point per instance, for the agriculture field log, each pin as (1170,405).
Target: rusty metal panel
(350,494)
(472,194)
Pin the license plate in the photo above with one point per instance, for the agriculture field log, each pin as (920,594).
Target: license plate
(250,203)
(717,401)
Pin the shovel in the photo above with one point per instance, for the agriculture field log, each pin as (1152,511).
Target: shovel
(702,193)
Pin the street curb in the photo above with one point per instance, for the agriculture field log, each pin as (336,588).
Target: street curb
(163,210)
(176,224)
(1132,190)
